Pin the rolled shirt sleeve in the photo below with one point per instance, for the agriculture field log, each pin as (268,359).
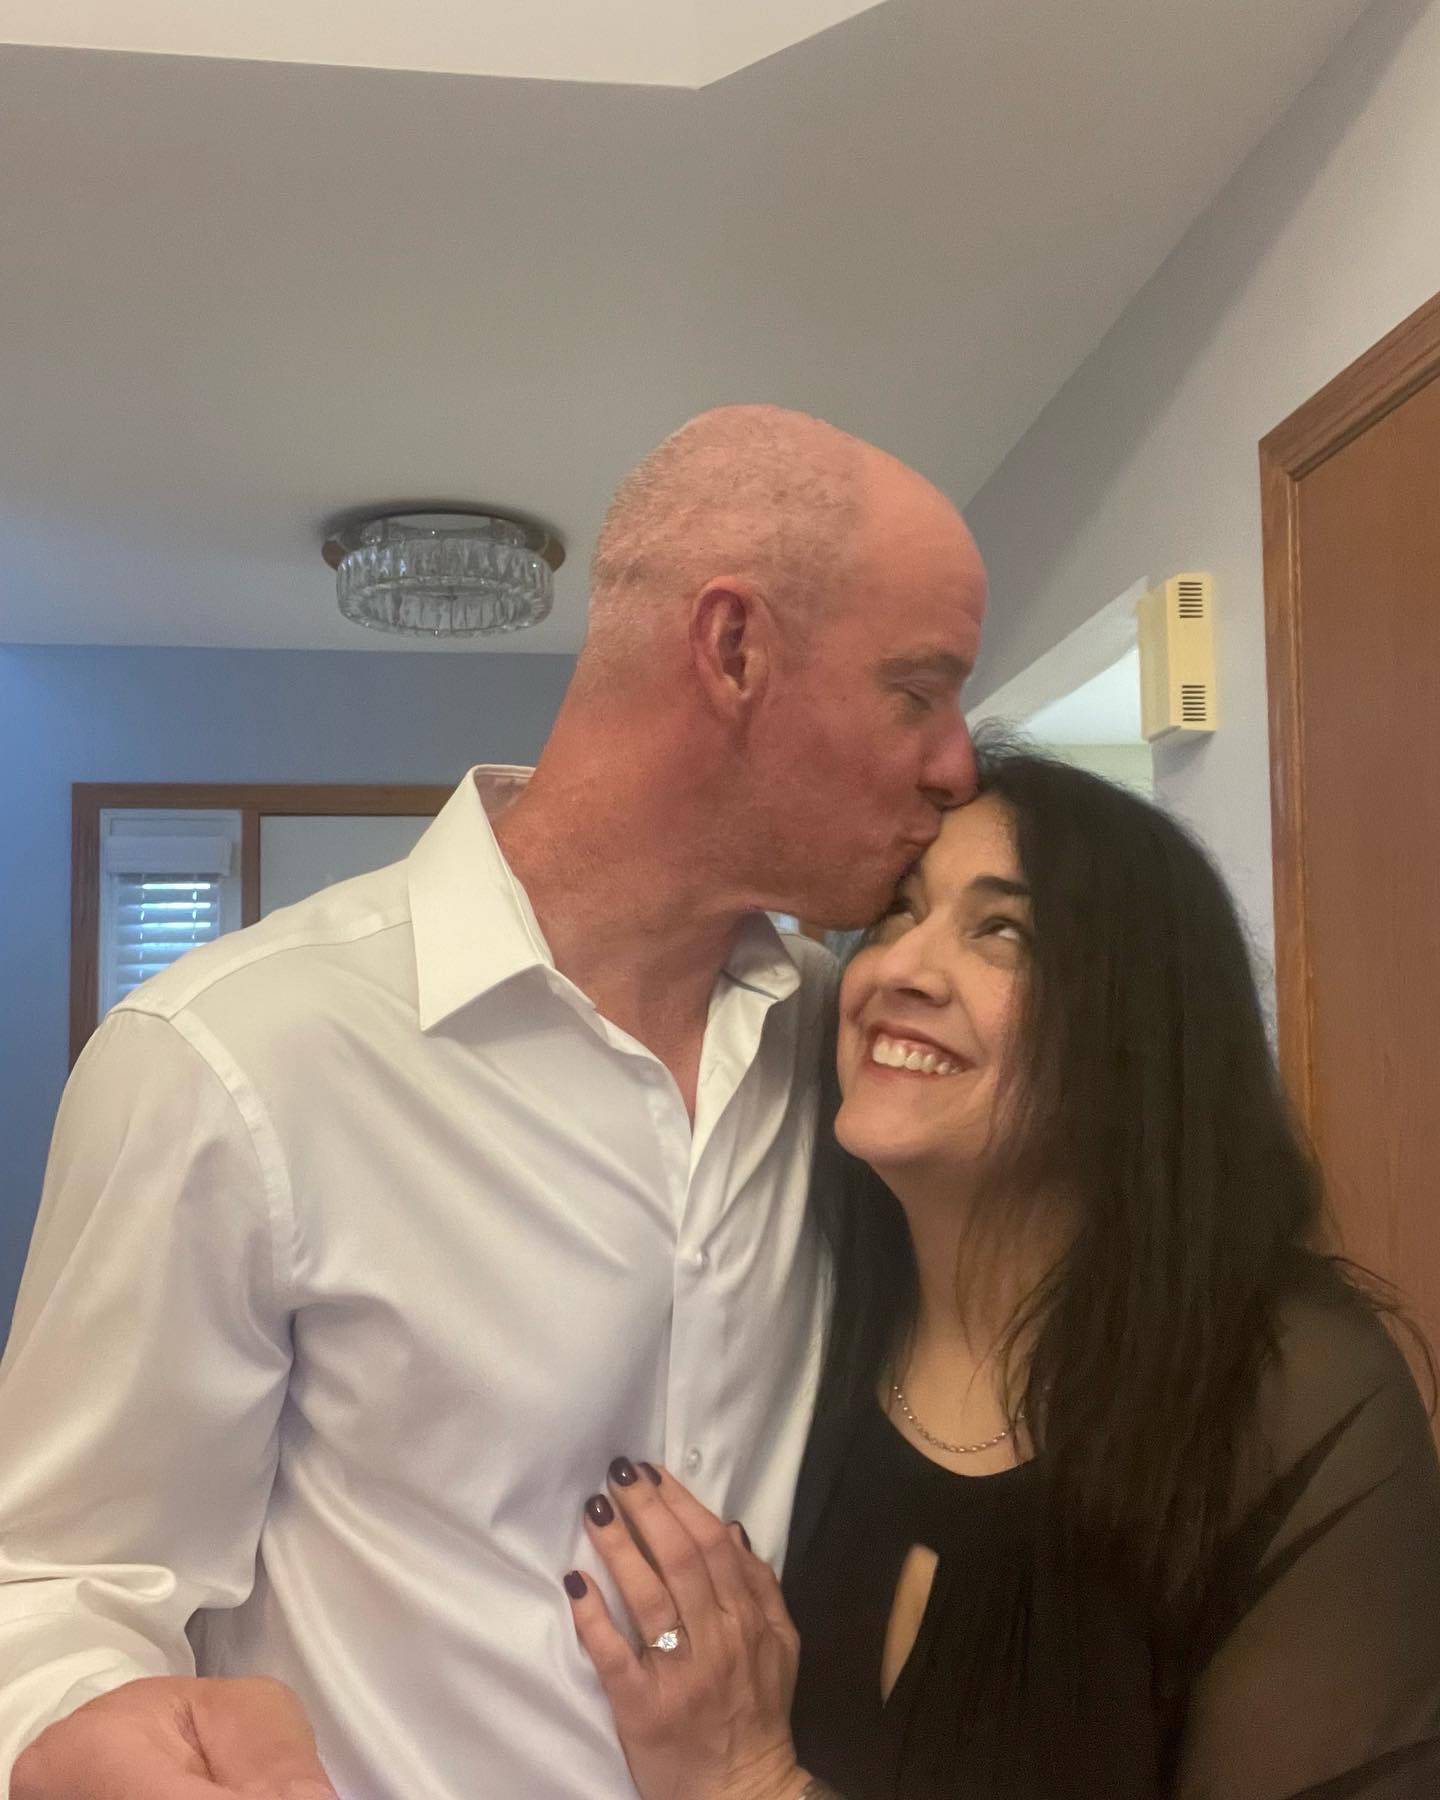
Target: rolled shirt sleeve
(142,1386)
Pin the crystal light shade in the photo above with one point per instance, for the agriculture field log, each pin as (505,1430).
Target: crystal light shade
(444,574)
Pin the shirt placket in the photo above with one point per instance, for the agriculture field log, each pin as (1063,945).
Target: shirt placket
(694,1163)
(698,1448)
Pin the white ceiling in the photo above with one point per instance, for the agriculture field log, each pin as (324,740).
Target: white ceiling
(240,297)
(668,43)
(1103,710)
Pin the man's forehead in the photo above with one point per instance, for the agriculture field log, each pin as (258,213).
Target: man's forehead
(933,635)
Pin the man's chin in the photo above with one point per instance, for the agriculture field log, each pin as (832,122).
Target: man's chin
(849,905)
(855,910)
(860,917)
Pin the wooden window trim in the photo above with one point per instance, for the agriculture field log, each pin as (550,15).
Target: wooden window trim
(1374,385)
(88,799)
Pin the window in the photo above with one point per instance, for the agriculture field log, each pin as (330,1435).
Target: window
(157,867)
(169,880)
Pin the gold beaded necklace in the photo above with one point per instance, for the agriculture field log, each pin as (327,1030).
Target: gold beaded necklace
(940,1443)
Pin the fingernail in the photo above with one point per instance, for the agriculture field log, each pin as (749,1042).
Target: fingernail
(622,1472)
(650,1472)
(744,1534)
(599,1510)
(575,1585)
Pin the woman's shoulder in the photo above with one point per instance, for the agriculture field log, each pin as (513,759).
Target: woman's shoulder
(1338,1374)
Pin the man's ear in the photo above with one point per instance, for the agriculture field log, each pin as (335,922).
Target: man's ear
(732,645)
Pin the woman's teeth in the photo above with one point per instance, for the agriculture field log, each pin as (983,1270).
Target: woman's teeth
(896,1053)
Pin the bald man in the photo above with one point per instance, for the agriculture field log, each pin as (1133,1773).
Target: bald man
(373,1233)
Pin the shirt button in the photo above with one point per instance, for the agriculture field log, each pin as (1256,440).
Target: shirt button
(700,1261)
(693,1460)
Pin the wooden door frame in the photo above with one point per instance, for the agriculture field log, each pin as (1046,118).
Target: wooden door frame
(253,802)
(1379,381)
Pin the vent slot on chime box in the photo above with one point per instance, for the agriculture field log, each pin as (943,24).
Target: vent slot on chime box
(1176,629)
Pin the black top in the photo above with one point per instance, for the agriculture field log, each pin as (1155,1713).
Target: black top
(1312,1667)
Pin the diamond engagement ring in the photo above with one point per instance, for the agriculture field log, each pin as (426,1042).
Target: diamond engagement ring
(667,1640)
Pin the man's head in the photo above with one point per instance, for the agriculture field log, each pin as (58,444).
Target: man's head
(796,610)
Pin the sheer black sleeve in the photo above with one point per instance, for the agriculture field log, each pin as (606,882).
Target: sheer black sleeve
(1317,1672)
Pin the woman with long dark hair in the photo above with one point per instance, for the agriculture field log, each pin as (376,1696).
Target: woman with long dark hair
(1118,1487)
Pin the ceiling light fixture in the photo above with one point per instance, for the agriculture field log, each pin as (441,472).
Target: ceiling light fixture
(450,573)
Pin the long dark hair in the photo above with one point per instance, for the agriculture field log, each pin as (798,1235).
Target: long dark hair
(1144,1089)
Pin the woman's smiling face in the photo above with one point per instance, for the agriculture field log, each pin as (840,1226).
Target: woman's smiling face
(929,1008)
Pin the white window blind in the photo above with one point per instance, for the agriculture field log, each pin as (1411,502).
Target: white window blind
(167,853)
(170,881)
(158,917)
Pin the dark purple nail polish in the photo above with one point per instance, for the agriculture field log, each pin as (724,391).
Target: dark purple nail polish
(575,1585)
(598,1510)
(622,1472)
(744,1534)
(650,1472)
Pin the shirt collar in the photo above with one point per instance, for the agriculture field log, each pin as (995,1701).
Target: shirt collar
(475,928)
(760,960)
(473,923)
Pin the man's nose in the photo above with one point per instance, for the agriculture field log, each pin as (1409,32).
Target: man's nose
(950,776)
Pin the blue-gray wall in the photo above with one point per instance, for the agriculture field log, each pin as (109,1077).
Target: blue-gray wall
(69,714)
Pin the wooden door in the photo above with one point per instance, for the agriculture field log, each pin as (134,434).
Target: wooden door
(1351,486)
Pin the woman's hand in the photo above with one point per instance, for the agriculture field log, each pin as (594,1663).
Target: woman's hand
(710,1719)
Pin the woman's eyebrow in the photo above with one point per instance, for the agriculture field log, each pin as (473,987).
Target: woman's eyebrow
(999,887)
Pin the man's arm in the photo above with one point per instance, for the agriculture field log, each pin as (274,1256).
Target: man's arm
(141,1389)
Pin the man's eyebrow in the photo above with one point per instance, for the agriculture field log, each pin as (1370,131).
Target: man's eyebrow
(927,662)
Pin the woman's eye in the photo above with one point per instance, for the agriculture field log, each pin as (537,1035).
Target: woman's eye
(1012,930)
(897,916)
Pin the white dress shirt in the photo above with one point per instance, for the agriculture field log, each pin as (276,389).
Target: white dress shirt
(366,1243)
